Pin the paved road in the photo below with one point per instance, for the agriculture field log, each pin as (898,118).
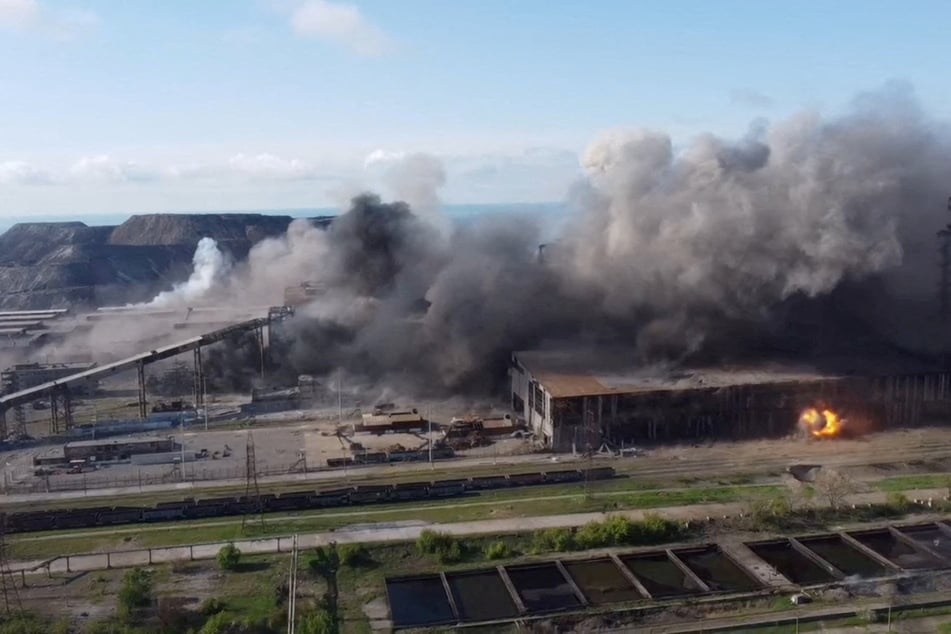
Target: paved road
(404,531)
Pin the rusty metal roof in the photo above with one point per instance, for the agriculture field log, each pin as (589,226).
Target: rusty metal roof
(569,373)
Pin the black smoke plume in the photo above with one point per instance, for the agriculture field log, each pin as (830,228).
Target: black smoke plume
(801,237)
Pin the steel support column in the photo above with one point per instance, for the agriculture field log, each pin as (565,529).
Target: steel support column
(143,404)
(67,403)
(199,380)
(54,413)
(260,337)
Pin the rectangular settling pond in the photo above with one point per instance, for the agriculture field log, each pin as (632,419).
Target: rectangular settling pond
(601,582)
(896,551)
(847,559)
(418,601)
(717,570)
(542,587)
(481,595)
(659,576)
(791,563)
(930,536)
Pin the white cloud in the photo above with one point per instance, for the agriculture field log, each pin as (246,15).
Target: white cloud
(31,15)
(340,24)
(751,98)
(270,167)
(22,173)
(382,157)
(104,168)
(18,14)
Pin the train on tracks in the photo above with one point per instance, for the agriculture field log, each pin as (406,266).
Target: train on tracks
(187,509)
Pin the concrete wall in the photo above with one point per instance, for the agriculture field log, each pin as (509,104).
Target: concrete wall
(523,384)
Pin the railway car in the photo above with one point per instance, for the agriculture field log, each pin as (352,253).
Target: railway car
(367,494)
(484,483)
(598,473)
(566,475)
(447,488)
(526,479)
(332,498)
(290,501)
(33,521)
(120,515)
(410,491)
(163,514)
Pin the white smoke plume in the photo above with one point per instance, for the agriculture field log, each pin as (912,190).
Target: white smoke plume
(210,267)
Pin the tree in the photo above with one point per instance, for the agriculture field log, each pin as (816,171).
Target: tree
(325,563)
(318,622)
(136,591)
(229,557)
(835,487)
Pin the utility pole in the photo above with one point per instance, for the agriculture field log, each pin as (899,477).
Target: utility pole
(8,586)
(181,422)
(429,416)
(292,590)
(204,402)
(251,491)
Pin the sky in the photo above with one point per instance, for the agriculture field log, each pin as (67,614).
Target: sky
(124,106)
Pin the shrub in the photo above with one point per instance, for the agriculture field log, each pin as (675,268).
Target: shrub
(897,502)
(446,548)
(355,555)
(212,606)
(136,591)
(229,557)
(553,539)
(217,624)
(318,622)
(614,531)
(654,529)
(24,624)
(769,511)
(498,550)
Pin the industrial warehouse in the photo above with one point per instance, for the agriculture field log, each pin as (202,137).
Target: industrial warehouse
(581,399)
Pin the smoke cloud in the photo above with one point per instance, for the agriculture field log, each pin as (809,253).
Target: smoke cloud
(713,250)
(210,268)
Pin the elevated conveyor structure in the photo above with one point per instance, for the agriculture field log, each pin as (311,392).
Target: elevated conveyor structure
(58,391)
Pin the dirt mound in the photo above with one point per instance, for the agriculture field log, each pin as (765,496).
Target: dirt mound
(68,264)
(239,230)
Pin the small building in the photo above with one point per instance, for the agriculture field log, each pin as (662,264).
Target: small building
(393,420)
(119,449)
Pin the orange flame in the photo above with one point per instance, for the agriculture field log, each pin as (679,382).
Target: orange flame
(821,423)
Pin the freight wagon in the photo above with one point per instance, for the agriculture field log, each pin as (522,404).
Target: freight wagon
(189,508)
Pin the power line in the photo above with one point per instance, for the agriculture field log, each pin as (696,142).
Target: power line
(252,493)
(292,590)
(8,587)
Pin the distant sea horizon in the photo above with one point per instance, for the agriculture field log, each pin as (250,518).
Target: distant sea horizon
(460,212)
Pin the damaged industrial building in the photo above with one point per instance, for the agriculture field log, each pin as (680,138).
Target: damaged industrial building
(579,400)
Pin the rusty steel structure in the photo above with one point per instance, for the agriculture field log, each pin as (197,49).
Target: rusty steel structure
(58,391)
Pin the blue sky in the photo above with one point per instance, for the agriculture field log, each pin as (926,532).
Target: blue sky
(162,105)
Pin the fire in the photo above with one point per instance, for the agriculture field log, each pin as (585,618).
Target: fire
(821,423)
